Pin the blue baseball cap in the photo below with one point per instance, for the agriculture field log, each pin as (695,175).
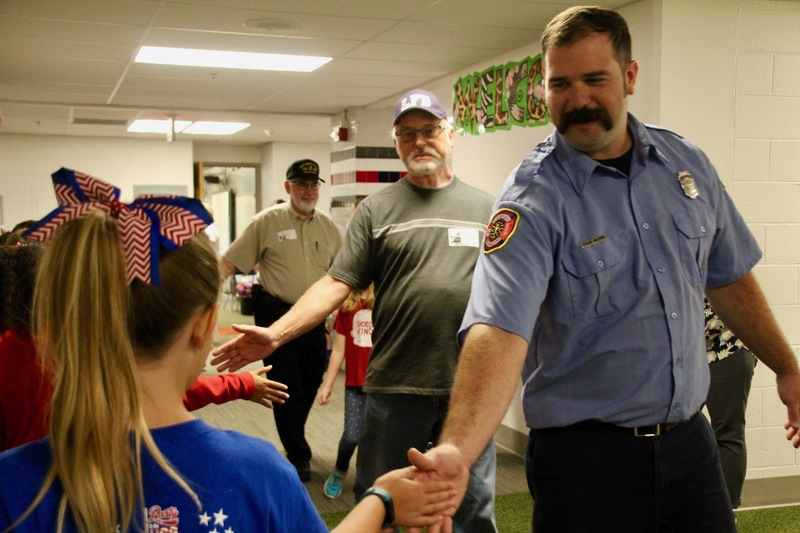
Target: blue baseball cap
(419,99)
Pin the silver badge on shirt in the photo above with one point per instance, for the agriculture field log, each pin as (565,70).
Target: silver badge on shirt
(688,184)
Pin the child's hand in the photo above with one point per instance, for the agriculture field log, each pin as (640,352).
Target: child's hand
(418,499)
(267,391)
(324,395)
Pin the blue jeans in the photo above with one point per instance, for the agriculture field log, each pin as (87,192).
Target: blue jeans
(353,415)
(393,423)
(587,479)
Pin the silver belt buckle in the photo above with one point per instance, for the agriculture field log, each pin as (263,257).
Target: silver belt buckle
(655,434)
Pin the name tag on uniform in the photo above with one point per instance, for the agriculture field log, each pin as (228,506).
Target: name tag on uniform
(463,237)
(287,235)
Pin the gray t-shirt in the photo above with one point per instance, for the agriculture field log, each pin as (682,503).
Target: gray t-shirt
(419,246)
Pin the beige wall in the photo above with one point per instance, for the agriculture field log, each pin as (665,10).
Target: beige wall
(26,162)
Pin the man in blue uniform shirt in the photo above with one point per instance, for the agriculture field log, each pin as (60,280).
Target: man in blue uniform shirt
(591,284)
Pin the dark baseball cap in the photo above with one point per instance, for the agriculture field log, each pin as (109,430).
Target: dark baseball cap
(304,169)
(419,99)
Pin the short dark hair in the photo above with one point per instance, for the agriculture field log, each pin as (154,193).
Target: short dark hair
(578,22)
(19,264)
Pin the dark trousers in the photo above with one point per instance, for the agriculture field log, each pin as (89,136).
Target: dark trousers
(726,403)
(299,364)
(588,479)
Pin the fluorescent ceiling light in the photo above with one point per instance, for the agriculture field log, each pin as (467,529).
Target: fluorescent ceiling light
(216,128)
(220,59)
(186,126)
(156,126)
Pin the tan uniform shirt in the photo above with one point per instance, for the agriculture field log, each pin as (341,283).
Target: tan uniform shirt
(291,253)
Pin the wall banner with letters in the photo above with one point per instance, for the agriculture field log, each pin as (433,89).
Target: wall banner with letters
(500,97)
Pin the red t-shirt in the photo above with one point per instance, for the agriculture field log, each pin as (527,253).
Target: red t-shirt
(25,391)
(356,326)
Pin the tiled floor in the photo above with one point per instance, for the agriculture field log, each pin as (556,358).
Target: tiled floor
(323,431)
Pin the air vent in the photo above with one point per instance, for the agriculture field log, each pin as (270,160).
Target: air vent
(99,121)
(272,25)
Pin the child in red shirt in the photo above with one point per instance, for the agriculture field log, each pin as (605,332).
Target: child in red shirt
(354,345)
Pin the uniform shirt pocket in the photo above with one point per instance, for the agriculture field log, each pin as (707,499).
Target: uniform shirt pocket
(599,282)
(695,230)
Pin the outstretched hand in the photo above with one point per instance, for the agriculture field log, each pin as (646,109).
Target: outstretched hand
(252,344)
(267,391)
(443,463)
(418,500)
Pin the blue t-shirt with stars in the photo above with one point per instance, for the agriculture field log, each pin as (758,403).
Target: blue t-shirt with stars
(243,483)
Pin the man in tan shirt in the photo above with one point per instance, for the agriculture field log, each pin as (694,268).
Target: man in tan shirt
(293,246)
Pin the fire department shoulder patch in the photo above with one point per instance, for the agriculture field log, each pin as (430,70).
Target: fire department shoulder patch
(501,228)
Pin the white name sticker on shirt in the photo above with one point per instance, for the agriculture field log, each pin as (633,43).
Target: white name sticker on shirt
(288,235)
(463,237)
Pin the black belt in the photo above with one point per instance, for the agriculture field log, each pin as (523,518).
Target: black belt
(653,430)
(260,293)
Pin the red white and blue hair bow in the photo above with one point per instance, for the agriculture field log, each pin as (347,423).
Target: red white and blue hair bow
(145,224)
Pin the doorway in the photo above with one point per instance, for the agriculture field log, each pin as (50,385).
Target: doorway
(229,191)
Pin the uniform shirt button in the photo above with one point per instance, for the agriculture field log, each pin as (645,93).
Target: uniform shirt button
(601,263)
(646,225)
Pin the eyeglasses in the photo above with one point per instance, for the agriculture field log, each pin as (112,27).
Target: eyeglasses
(305,185)
(410,135)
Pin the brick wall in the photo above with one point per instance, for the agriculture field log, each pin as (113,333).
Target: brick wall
(766,188)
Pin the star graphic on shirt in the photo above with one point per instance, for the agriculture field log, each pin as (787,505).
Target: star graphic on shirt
(219,518)
(229,530)
(204,519)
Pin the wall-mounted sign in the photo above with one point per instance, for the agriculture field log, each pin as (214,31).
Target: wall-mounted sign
(501,97)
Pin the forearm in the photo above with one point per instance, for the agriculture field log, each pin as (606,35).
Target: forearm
(218,389)
(488,372)
(335,363)
(368,515)
(743,308)
(311,309)
(226,268)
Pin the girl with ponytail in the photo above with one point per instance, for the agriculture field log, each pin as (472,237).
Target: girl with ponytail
(125,310)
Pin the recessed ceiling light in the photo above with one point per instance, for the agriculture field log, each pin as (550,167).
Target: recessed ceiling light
(272,25)
(187,126)
(224,59)
(216,128)
(156,126)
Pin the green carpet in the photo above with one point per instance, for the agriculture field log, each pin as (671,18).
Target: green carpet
(513,513)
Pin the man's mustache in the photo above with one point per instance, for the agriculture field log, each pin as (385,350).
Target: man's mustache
(585,115)
(426,151)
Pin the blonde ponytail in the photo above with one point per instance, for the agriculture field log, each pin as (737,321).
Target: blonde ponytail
(92,326)
(355,296)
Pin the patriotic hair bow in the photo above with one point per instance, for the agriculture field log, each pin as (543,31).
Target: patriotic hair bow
(147,223)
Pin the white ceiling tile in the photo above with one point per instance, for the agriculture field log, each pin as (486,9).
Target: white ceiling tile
(55,30)
(59,57)
(103,11)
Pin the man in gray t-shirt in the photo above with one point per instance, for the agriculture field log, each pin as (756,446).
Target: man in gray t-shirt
(418,241)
